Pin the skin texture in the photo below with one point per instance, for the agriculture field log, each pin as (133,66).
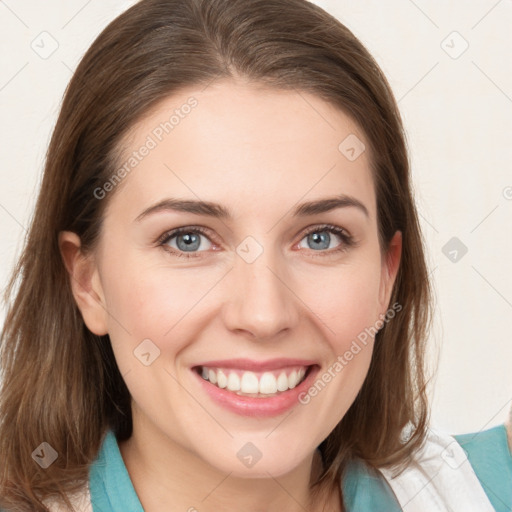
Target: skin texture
(259,153)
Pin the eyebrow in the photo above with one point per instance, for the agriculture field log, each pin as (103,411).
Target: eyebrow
(218,211)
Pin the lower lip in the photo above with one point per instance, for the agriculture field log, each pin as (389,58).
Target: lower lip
(258,407)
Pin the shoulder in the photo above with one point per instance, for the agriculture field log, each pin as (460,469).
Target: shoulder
(490,455)
(470,472)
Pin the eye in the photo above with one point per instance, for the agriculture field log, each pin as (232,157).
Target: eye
(319,238)
(186,241)
(181,241)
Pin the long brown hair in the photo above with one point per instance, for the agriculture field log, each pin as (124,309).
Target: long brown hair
(60,383)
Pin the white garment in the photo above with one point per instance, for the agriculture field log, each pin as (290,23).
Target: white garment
(81,502)
(440,478)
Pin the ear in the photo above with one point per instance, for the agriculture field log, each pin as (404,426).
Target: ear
(85,282)
(390,265)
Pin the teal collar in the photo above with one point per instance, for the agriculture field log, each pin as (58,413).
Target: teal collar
(109,482)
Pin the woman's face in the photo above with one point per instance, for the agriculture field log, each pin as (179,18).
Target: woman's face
(264,292)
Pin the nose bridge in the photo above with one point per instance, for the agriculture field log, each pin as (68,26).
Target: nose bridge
(261,301)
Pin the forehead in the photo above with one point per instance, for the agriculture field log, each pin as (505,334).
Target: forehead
(245,145)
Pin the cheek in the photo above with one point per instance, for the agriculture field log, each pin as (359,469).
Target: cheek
(154,302)
(150,302)
(346,300)
(153,319)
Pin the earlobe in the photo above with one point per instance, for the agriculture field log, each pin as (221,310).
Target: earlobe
(85,282)
(390,266)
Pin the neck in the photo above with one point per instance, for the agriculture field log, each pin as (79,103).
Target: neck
(191,484)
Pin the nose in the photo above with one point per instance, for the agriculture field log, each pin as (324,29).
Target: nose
(262,301)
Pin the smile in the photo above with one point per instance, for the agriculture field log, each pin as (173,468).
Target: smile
(257,389)
(254,384)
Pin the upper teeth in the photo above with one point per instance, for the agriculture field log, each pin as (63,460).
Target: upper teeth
(266,383)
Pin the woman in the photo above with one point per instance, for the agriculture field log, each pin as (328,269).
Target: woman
(223,301)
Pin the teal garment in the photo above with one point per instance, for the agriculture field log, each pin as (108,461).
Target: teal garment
(109,482)
(491,460)
(365,489)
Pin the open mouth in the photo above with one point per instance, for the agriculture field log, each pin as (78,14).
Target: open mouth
(255,384)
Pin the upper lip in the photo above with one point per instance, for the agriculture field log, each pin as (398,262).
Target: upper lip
(257,366)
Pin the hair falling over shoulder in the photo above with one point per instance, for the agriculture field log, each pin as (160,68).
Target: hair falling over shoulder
(60,383)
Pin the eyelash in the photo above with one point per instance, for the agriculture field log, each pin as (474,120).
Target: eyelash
(347,239)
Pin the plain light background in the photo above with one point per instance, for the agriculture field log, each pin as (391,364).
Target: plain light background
(449,67)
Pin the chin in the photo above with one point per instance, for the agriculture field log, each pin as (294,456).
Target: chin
(252,463)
